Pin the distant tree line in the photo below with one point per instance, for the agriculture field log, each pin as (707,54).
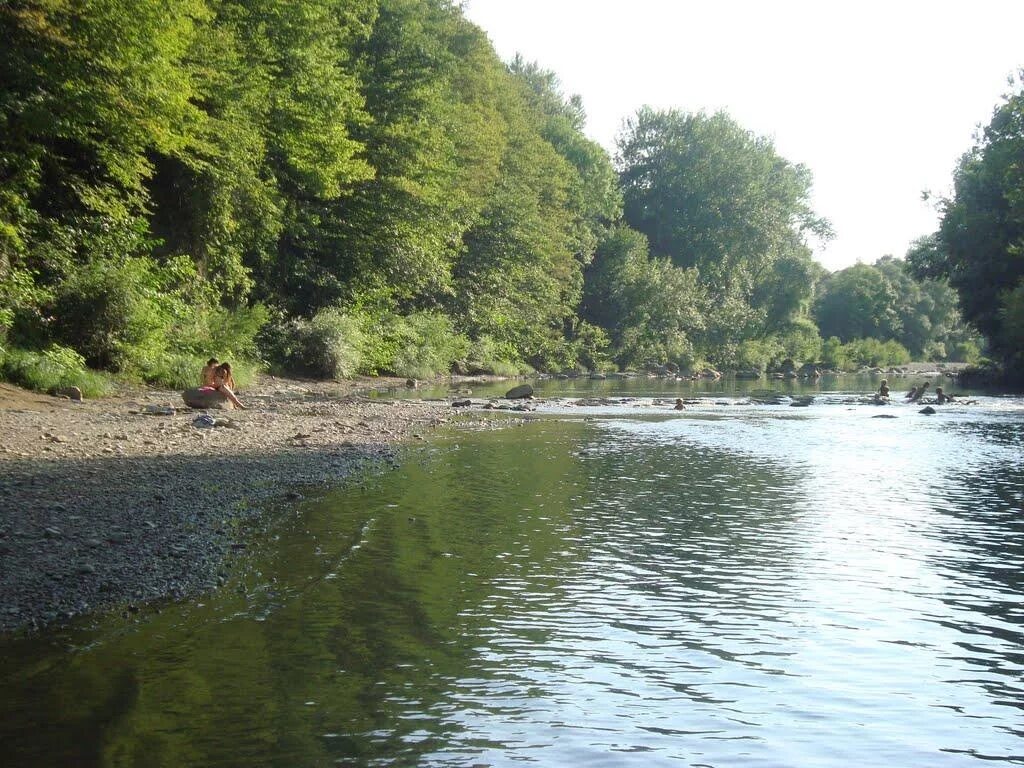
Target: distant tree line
(332,187)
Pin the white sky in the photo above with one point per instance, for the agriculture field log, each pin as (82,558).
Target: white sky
(878,99)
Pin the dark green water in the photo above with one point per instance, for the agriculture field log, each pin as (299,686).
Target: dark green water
(625,585)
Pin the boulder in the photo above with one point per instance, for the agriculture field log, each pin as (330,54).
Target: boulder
(72,393)
(206,398)
(523,390)
(927,410)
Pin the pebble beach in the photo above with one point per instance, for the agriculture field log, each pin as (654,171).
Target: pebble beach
(124,501)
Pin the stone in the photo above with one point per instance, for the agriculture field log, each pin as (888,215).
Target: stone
(197,397)
(523,390)
(462,403)
(72,393)
(927,411)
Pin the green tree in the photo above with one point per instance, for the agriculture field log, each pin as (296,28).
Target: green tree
(712,196)
(979,246)
(650,307)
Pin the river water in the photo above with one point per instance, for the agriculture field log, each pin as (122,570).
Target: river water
(616,584)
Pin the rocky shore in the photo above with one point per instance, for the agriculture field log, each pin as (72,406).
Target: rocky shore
(133,499)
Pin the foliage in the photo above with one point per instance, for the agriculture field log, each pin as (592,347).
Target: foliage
(875,353)
(337,186)
(885,301)
(649,307)
(52,369)
(834,355)
(486,355)
(979,246)
(419,345)
(327,346)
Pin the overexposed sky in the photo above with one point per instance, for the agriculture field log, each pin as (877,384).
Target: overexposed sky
(878,99)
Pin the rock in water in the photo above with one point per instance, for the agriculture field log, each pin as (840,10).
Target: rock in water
(523,390)
(927,410)
(206,398)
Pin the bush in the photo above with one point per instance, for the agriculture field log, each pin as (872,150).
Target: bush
(799,341)
(873,352)
(487,355)
(590,344)
(964,352)
(423,344)
(120,315)
(835,355)
(756,355)
(328,346)
(214,331)
(52,369)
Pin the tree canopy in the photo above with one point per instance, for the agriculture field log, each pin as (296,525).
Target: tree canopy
(979,246)
(335,186)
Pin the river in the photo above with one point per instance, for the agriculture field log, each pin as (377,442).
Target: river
(619,584)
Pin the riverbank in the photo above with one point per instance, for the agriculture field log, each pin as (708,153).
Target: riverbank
(128,500)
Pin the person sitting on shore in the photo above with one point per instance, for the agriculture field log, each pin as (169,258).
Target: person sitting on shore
(912,395)
(208,371)
(919,393)
(679,405)
(883,389)
(224,382)
(941,397)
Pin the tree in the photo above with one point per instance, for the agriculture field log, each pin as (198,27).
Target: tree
(884,301)
(712,196)
(650,307)
(979,246)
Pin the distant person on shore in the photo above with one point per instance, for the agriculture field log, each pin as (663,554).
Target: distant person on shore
(208,371)
(883,388)
(679,405)
(912,395)
(941,397)
(919,393)
(224,382)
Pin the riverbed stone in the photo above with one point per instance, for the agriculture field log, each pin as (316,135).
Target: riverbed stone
(521,391)
(206,398)
(72,393)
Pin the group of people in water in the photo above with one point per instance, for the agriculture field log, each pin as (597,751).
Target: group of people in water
(217,376)
(914,394)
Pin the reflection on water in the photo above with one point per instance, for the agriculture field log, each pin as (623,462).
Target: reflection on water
(759,586)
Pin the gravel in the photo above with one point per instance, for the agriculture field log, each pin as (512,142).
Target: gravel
(118,502)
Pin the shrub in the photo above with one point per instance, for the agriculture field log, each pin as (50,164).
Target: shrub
(119,314)
(424,344)
(964,352)
(801,341)
(755,355)
(835,355)
(876,353)
(222,333)
(487,355)
(53,368)
(328,346)
(590,343)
